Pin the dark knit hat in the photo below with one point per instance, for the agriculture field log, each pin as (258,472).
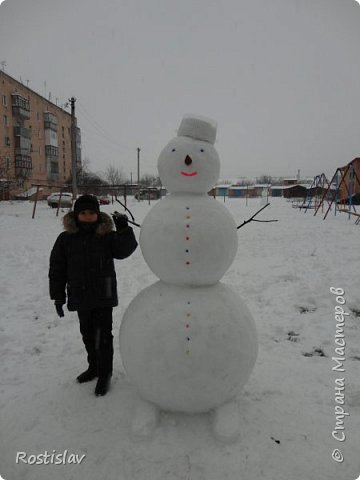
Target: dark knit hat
(86,202)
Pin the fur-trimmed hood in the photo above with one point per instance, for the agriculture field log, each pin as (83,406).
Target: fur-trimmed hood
(105,223)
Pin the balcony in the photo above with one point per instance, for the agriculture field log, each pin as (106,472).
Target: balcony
(50,126)
(51,152)
(23,165)
(22,145)
(50,121)
(52,170)
(22,132)
(20,106)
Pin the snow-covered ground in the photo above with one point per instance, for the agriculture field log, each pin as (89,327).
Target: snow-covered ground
(282,270)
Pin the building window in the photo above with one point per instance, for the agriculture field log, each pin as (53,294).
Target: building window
(6,121)
(4,102)
(7,163)
(7,141)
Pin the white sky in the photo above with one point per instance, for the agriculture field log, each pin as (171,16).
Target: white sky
(281,77)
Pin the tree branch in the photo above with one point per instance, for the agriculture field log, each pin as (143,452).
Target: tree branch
(252,219)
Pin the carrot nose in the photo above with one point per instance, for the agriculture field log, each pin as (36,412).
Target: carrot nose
(188,160)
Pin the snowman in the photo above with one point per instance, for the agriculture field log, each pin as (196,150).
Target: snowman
(188,342)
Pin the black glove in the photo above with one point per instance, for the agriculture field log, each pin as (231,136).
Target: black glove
(59,309)
(120,220)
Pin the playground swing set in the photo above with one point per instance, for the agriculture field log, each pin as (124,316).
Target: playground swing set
(343,189)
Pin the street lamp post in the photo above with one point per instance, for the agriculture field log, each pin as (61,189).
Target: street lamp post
(138,171)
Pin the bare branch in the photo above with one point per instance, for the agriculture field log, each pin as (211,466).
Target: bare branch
(252,219)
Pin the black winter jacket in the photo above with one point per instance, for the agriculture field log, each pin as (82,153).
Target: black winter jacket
(82,263)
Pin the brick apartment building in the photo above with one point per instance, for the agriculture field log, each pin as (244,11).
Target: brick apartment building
(35,141)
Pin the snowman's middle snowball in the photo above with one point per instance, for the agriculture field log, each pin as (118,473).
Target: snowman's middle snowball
(189,239)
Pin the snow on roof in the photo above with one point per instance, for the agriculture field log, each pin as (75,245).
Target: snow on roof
(304,185)
(29,192)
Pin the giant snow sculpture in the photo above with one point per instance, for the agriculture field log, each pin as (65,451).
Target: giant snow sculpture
(188,342)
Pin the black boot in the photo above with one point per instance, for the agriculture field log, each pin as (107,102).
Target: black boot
(87,376)
(102,386)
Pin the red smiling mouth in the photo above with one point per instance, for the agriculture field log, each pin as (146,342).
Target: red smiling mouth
(186,174)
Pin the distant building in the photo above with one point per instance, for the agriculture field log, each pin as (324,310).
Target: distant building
(248,191)
(291,181)
(277,191)
(35,140)
(219,190)
(240,191)
(295,191)
(349,183)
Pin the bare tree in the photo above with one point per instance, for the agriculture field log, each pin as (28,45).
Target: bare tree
(88,181)
(150,180)
(244,182)
(224,182)
(264,179)
(114,176)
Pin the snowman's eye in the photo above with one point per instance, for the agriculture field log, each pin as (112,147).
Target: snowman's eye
(201,150)
(173,150)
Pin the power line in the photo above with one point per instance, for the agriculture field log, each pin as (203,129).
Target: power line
(96,132)
(99,128)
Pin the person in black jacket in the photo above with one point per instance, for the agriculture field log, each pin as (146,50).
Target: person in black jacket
(82,266)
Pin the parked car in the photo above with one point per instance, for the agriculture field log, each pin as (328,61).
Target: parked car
(54,198)
(104,200)
(146,193)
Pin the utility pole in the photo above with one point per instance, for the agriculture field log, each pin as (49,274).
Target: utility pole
(138,171)
(72,101)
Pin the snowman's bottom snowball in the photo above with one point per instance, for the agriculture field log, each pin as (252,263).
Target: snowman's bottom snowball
(188,349)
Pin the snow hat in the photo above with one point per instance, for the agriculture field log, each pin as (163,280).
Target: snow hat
(198,127)
(86,202)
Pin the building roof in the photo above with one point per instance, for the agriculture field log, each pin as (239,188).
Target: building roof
(32,92)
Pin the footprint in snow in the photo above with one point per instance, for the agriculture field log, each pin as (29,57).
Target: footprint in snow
(317,352)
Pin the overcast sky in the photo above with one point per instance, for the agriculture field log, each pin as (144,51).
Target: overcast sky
(281,77)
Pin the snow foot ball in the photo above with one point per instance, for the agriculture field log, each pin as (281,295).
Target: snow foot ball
(226,422)
(145,420)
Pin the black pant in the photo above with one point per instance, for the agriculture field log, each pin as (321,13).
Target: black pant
(96,331)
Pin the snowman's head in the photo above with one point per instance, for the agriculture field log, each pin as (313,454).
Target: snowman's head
(189,163)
